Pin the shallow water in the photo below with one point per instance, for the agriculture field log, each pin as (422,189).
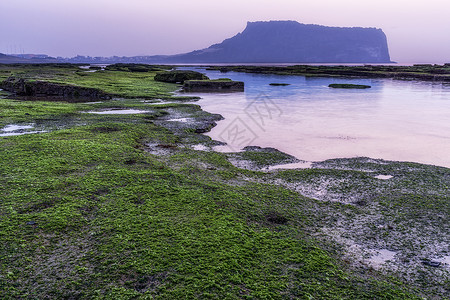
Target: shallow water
(382,256)
(118,112)
(13,130)
(384,177)
(394,120)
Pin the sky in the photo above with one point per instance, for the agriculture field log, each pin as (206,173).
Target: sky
(417,31)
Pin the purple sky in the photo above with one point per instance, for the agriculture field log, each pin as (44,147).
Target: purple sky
(417,31)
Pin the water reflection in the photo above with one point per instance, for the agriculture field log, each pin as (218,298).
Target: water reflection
(394,120)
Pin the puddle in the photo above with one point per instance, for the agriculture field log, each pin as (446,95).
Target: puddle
(9,128)
(183,120)
(160,103)
(13,130)
(118,112)
(98,102)
(20,133)
(200,147)
(384,177)
(381,257)
(297,165)
(446,260)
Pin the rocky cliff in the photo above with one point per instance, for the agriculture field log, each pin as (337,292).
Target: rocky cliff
(292,42)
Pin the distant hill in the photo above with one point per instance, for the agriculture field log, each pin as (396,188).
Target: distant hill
(4,59)
(11,59)
(293,42)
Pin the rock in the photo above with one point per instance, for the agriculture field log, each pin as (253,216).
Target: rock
(51,91)
(179,76)
(349,86)
(31,223)
(279,84)
(431,263)
(213,86)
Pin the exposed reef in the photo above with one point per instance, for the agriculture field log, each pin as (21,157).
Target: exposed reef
(348,86)
(415,72)
(219,85)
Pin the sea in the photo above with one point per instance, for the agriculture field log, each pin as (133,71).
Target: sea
(393,120)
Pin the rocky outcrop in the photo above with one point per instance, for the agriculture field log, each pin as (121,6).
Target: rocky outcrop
(179,76)
(52,91)
(213,86)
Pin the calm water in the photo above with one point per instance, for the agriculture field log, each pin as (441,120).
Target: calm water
(394,120)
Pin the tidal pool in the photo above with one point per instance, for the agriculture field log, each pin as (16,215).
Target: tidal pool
(118,112)
(394,120)
(13,130)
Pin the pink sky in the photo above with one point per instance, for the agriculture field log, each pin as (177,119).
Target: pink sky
(417,31)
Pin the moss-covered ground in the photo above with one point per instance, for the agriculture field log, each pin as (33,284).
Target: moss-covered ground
(125,207)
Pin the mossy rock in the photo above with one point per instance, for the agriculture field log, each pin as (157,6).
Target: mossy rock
(179,76)
(217,85)
(349,86)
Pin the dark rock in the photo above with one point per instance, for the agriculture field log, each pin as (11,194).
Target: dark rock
(260,149)
(279,84)
(276,218)
(213,86)
(50,90)
(349,86)
(431,263)
(204,127)
(179,76)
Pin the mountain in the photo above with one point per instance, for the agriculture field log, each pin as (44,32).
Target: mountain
(27,59)
(293,42)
